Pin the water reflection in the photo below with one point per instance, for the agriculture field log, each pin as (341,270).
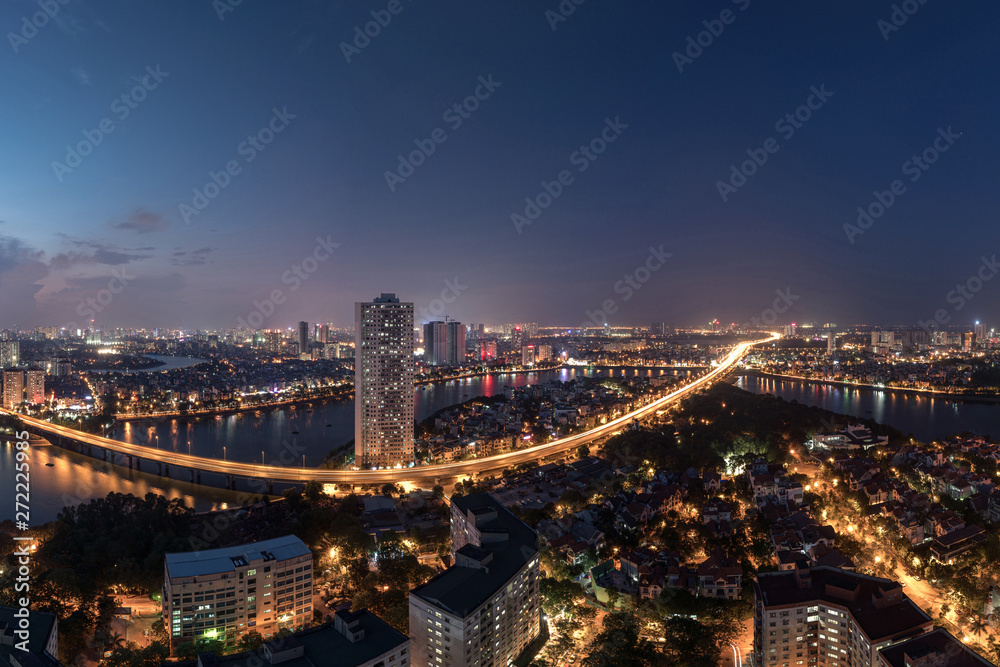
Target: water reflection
(926,417)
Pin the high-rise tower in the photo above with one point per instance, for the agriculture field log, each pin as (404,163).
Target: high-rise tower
(383,382)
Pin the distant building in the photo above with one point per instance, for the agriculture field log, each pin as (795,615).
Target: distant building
(13,388)
(225,593)
(34,386)
(831,343)
(456,343)
(435,343)
(823,615)
(485,610)
(42,642)
(487,350)
(528,355)
(444,343)
(303,338)
(323,333)
(9,354)
(271,341)
(383,382)
(982,333)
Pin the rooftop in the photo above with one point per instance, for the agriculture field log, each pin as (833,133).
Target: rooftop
(215,561)
(41,628)
(878,605)
(460,589)
(322,645)
(938,649)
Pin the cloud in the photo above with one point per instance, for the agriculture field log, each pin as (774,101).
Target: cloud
(141,221)
(14,252)
(195,257)
(82,76)
(92,252)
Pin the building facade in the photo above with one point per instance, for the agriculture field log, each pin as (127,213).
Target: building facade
(13,388)
(302,338)
(9,354)
(435,343)
(829,617)
(221,594)
(34,386)
(383,383)
(485,610)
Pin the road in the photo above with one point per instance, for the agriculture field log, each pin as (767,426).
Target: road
(470,468)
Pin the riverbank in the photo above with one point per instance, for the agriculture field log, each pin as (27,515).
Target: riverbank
(945,395)
(321,398)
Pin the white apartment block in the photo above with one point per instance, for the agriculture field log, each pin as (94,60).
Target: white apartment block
(221,594)
(829,617)
(485,610)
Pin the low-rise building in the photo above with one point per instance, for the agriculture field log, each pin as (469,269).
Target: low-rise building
(222,594)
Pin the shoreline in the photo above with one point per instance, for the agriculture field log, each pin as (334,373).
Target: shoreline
(128,417)
(930,393)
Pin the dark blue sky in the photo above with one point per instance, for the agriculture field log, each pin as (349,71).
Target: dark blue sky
(64,232)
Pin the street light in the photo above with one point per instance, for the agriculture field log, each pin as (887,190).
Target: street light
(223,452)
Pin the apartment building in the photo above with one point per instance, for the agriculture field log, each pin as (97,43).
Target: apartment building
(829,617)
(485,610)
(222,594)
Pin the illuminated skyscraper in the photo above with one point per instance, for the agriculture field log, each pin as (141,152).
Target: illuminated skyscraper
(272,340)
(383,382)
(13,388)
(34,387)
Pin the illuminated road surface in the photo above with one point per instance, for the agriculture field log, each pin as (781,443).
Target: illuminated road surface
(470,468)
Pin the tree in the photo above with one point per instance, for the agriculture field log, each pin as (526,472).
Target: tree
(618,645)
(251,641)
(691,642)
(583,451)
(314,490)
(133,656)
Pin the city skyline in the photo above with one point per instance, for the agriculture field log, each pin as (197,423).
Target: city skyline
(645,132)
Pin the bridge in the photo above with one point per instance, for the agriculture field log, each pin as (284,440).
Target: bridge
(231,470)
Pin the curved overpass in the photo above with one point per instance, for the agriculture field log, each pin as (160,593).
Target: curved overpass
(444,470)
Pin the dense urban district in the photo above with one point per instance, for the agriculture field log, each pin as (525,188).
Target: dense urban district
(726,528)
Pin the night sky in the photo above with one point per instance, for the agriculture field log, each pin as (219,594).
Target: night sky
(209,78)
